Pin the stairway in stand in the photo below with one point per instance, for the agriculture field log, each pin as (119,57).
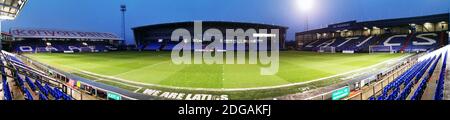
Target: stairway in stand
(407,42)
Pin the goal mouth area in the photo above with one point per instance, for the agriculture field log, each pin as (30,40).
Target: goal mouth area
(327,49)
(381,49)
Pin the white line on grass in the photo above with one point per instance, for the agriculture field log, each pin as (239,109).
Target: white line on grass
(137,90)
(101,79)
(148,66)
(137,87)
(239,89)
(230,89)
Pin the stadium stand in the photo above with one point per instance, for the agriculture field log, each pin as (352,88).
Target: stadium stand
(169,47)
(31,81)
(74,46)
(412,34)
(439,95)
(152,47)
(30,88)
(7,91)
(409,43)
(402,88)
(45,40)
(151,37)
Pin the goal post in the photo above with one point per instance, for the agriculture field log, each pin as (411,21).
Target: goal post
(380,49)
(327,49)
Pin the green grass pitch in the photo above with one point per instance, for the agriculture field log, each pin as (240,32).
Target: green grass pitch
(157,68)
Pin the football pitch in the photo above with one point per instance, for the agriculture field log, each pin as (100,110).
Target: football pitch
(156,68)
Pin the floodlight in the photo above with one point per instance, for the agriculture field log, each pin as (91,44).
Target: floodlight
(305,5)
(9,9)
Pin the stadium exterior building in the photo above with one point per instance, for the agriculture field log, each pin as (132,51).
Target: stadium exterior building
(158,37)
(413,34)
(62,41)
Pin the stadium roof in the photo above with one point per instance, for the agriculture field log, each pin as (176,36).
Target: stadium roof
(61,34)
(9,9)
(354,25)
(210,23)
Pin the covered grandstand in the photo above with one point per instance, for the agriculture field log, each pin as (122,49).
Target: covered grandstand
(60,41)
(413,34)
(158,37)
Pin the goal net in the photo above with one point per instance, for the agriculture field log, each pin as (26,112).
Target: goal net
(327,49)
(380,49)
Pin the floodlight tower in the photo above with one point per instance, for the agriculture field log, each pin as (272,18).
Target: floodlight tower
(123,9)
(9,10)
(306,6)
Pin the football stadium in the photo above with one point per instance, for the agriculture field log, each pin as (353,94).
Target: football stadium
(386,59)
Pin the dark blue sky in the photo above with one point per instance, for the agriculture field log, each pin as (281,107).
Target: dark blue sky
(104,15)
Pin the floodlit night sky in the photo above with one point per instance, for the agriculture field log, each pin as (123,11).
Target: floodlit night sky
(105,16)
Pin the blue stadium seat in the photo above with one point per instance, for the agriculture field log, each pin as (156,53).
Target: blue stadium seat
(62,95)
(28,95)
(41,88)
(53,93)
(439,95)
(406,80)
(7,91)
(42,97)
(19,80)
(30,83)
(423,85)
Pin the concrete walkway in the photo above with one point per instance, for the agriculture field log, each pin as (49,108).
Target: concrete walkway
(447,85)
(430,91)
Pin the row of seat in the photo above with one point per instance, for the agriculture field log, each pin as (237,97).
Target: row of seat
(189,46)
(423,85)
(6,90)
(410,84)
(439,95)
(62,48)
(26,84)
(46,91)
(5,86)
(21,84)
(408,42)
(394,91)
(399,81)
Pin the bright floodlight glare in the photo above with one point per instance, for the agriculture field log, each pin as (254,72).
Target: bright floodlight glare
(9,9)
(305,5)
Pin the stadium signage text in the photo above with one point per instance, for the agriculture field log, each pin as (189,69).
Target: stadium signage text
(37,33)
(184,96)
(340,93)
(342,25)
(113,96)
(257,43)
(425,39)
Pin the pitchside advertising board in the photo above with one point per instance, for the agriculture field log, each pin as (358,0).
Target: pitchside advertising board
(184,96)
(340,93)
(43,33)
(113,96)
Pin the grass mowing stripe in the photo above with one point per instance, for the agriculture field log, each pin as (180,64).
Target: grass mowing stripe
(294,67)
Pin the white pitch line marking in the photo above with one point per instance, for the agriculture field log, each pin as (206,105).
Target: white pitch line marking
(236,89)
